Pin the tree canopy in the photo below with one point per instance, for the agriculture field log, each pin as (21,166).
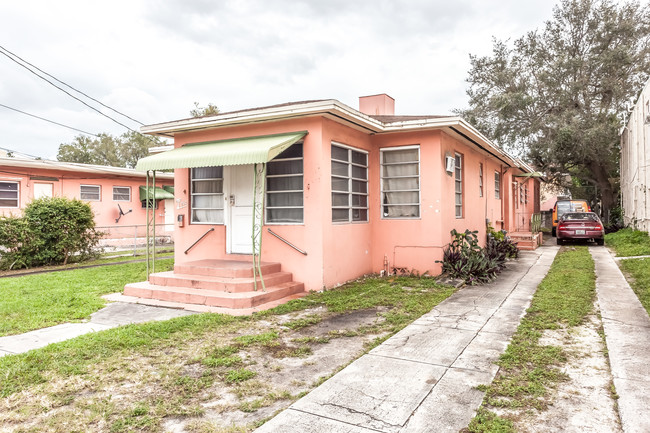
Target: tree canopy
(208,110)
(122,151)
(557,95)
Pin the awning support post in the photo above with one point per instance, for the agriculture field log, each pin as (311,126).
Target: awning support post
(258,221)
(151,223)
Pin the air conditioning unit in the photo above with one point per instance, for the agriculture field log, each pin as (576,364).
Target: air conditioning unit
(450,164)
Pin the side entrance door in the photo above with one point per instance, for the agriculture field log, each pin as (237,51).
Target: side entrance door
(240,202)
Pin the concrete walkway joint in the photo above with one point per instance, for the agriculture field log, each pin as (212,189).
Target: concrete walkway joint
(424,378)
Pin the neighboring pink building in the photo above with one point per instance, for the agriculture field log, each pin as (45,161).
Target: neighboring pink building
(104,188)
(347,192)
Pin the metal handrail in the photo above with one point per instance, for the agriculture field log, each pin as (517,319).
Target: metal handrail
(199,239)
(303,252)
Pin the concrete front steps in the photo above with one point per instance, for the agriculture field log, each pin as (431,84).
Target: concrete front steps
(527,240)
(223,284)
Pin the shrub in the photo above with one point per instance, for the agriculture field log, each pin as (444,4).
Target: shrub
(465,259)
(51,230)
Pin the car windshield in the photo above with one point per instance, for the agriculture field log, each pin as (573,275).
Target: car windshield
(582,216)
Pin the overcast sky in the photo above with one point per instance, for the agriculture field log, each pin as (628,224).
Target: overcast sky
(153,59)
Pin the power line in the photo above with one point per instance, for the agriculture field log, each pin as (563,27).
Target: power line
(66,84)
(2,51)
(47,120)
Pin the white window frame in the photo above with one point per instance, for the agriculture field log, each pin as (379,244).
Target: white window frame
(480,179)
(418,190)
(197,194)
(350,193)
(458,185)
(497,185)
(8,190)
(98,193)
(301,190)
(124,187)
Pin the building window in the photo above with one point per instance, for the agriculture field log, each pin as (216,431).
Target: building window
(207,195)
(526,193)
(153,204)
(497,185)
(515,194)
(349,184)
(8,194)
(458,181)
(284,187)
(400,182)
(480,179)
(121,193)
(90,192)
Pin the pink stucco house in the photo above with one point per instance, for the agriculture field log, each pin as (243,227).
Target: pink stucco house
(325,193)
(106,189)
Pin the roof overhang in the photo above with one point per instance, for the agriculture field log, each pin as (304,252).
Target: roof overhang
(97,170)
(336,111)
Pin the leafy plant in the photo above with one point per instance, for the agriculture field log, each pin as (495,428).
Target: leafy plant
(464,258)
(51,230)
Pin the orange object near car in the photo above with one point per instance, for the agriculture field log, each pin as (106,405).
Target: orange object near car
(580,226)
(563,206)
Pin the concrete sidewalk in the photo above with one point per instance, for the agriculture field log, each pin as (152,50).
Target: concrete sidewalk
(111,316)
(627,333)
(424,378)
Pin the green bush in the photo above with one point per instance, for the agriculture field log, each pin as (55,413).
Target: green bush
(51,230)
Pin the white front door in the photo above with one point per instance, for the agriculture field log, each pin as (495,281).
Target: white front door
(240,201)
(42,190)
(169,214)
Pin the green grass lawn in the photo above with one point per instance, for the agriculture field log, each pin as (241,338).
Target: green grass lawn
(629,242)
(639,271)
(406,299)
(37,301)
(528,369)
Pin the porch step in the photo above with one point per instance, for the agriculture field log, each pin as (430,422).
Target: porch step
(214,298)
(224,284)
(225,268)
(227,285)
(526,240)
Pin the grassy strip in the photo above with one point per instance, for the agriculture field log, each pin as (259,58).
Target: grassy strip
(528,369)
(38,301)
(407,298)
(639,271)
(629,242)
(92,262)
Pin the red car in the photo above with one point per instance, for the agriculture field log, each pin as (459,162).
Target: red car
(580,226)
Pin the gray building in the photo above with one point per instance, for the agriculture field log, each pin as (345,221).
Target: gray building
(635,164)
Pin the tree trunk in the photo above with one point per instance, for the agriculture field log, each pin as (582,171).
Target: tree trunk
(606,191)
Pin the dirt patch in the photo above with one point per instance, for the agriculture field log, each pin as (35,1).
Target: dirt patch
(583,403)
(227,380)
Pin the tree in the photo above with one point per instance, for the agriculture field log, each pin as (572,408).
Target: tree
(557,95)
(122,151)
(209,110)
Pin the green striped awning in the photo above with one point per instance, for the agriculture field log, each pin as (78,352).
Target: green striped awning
(248,150)
(169,189)
(154,193)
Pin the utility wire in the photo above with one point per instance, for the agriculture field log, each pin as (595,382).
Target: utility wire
(2,51)
(47,120)
(69,86)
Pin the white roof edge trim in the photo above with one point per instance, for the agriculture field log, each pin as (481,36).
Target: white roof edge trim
(45,164)
(332,106)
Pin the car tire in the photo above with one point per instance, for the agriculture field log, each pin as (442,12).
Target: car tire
(560,241)
(600,241)
(553,233)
